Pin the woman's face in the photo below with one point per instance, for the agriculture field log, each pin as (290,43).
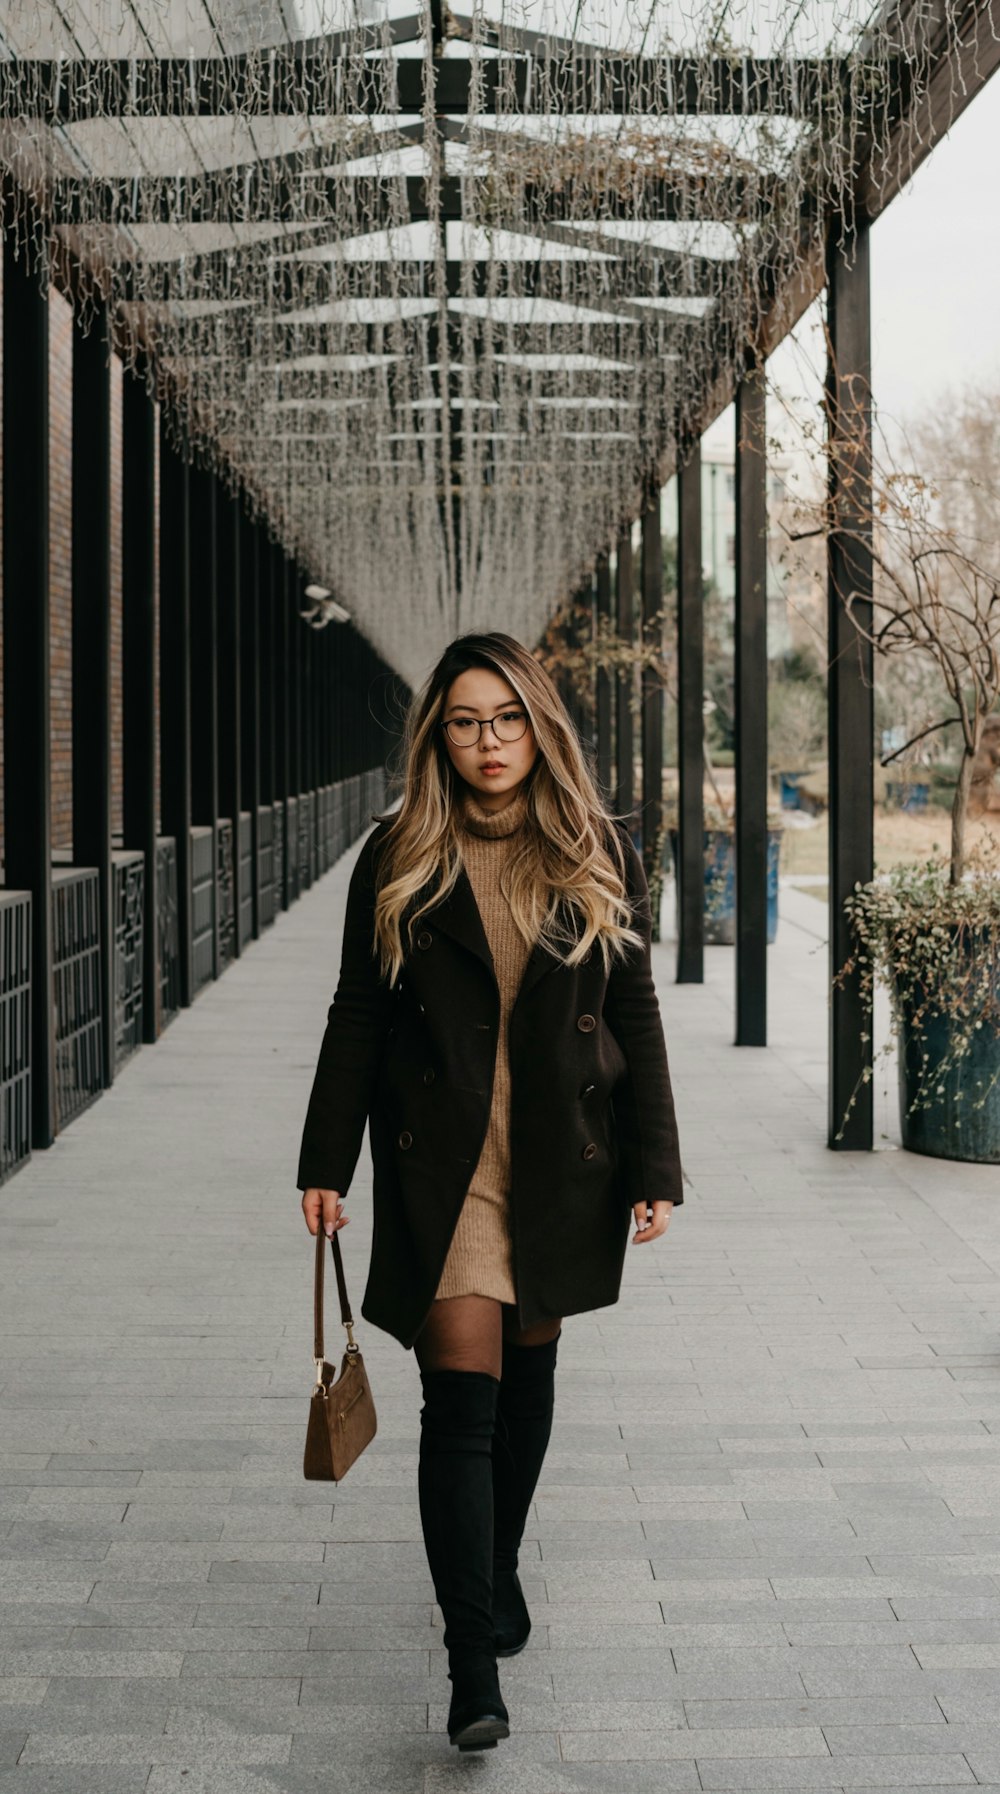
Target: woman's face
(493,767)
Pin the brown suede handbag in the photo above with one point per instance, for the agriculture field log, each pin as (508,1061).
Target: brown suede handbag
(341,1411)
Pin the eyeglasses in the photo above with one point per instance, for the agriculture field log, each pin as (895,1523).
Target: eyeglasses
(465,731)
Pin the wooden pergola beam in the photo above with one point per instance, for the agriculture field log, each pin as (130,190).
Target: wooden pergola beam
(310,78)
(273,192)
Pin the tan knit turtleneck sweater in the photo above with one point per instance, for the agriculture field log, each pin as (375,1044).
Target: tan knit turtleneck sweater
(479,1258)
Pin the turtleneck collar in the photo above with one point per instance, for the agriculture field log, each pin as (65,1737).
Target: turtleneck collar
(493,824)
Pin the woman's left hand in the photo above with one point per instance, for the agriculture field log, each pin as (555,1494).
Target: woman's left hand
(650,1228)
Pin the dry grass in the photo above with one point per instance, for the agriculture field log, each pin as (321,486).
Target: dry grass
(900,840)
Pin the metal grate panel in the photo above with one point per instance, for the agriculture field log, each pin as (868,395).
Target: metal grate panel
(224,895)
(15,1030)
(279,855)
(267,818)
(203,906)
(292,848)
(77,978)
(246,877)
(128,895)
(305,841)
(167,933)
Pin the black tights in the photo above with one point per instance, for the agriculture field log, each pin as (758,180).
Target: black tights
(468,1333)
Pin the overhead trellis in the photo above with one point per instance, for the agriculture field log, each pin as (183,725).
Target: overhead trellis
(446,290)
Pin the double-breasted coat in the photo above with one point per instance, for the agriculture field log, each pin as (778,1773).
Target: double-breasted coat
(592,1124)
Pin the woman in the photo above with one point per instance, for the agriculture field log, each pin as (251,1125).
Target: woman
(495,1022)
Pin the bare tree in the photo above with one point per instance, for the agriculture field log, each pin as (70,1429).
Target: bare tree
(934,538)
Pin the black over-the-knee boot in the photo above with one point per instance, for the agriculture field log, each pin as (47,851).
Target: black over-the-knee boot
(524,1423)
(455,1486)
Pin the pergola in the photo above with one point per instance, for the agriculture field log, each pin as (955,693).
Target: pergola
(432,305)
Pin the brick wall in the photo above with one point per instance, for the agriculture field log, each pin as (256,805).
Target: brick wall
(61,578)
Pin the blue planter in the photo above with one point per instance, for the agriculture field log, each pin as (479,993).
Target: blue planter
(720,885)
(950,1127)
(790,790)
(912,798)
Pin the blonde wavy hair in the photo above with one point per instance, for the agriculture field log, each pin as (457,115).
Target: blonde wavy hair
(565,882)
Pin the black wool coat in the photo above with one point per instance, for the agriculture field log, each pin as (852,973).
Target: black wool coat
(592,1125)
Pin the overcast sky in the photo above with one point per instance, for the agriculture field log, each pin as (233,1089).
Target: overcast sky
(935,284)
(936,269)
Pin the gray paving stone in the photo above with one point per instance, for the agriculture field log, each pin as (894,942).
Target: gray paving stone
(76,1779)
(868,1772)
(890,1711)
(137,1747)
(765,1741)
(899,1740)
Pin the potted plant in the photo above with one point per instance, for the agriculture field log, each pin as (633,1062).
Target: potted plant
(931,933)
(720,867)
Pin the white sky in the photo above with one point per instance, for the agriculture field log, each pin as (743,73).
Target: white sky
(935,283)
(936,269)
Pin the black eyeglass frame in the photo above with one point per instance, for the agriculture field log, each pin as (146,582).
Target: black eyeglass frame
(482,722)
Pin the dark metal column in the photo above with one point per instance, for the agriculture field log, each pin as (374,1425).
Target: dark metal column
(139,667)
(603,694)
(229,590)
(652,689)
(690,727)
(296,629)
(250,558)
(750,844)
(204,649)
(204,681)
(91,677)
(625,623)
(850,693)
(282,785)
(308,645)
(267,578)
(175,687)
(27,761)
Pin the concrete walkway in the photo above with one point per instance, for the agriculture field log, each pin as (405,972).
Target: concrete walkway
(766,1549)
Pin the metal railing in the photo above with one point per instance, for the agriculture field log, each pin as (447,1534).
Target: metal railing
(308,833)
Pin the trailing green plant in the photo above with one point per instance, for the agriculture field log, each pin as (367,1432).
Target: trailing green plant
(934,945)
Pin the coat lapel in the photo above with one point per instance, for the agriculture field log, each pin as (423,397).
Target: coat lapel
(458,915)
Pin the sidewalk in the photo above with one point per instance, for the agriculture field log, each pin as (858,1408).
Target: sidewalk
(767,1545)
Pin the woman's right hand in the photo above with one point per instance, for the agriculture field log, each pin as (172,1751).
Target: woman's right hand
(324,1206)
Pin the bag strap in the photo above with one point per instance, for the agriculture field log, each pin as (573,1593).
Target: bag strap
(345,1306)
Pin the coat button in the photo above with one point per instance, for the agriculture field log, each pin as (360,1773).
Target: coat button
(586,1089)
(424,939)
(429,1075)
(589,1151)
(586,1024)
(405,1139)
